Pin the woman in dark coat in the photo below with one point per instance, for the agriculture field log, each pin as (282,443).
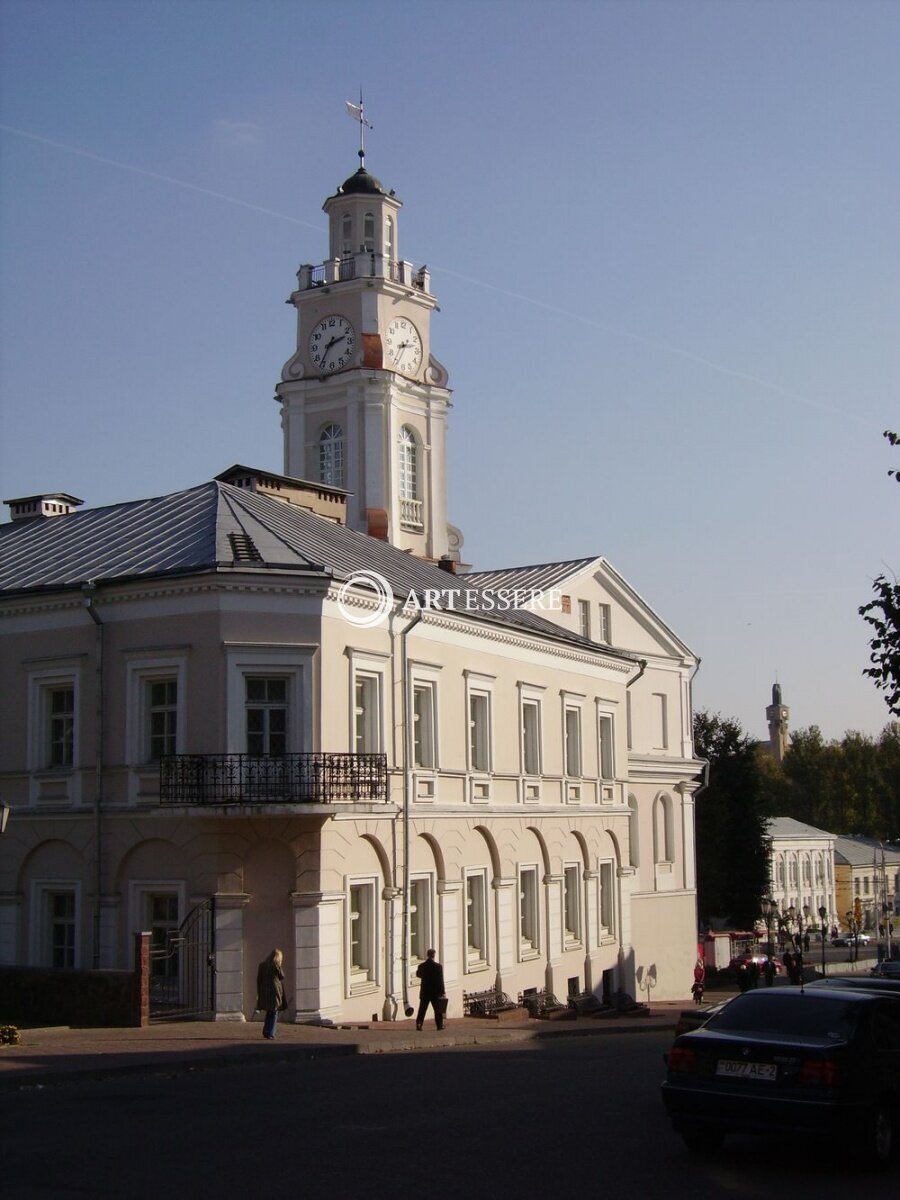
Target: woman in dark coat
(270,991)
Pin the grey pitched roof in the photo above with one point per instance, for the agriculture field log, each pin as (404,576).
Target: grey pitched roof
(787,827)
(541,576)
(218,527)
(863,851)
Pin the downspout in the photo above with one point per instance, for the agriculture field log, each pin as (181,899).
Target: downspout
(89,590)
(407,800)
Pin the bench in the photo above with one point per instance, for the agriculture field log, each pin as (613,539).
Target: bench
(541,1004)
(486,1004)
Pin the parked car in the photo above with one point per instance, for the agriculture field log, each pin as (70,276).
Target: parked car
(889,969)
(850,939)
(693,1018)
(782,1061)
(870,983)
(740,960)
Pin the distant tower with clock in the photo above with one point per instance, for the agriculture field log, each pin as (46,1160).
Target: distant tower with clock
(364,401)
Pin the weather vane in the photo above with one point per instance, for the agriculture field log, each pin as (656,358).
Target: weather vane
(356,112)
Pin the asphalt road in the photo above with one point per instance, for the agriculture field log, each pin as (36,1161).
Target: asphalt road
(571,1117)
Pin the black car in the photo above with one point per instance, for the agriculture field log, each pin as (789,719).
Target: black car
(782,1061)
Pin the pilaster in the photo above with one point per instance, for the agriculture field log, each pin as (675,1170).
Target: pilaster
(317,955)
(229,942)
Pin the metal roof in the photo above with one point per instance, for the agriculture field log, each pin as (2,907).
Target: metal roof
(218,527)
(542,577)
(863,851)
(787,827)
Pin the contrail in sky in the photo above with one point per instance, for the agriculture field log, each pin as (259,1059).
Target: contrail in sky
(612,330)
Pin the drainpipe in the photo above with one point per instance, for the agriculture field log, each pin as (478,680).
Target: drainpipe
(407,799)
(89,590)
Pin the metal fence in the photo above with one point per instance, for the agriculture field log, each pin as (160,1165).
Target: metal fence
(310,778)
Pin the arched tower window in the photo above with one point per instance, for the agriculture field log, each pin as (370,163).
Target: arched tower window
(663,830)
(331,456)
(389,239)
(369,233)
(634,857)
(410,502)
(346,234)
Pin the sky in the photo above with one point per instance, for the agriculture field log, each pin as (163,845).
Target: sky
(664,239)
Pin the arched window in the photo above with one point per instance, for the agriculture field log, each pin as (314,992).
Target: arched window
(410,502)
(369,233)
(663,830)
(346,234)
(331,456)
(389,239)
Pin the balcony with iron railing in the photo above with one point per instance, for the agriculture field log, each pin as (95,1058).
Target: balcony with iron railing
(364,265)
(310,778)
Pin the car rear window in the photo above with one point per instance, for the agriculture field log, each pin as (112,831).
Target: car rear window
(803,1014)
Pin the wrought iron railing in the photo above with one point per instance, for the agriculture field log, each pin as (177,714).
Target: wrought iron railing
(313,778)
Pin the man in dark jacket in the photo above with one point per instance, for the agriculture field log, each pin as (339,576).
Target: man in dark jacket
(431,991)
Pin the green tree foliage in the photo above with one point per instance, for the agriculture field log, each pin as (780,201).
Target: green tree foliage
(732,858)
(883,614)
(851,786)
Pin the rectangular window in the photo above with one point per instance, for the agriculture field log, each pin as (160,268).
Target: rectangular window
(660,721)
(420,938)
(607,757)
(573,740)
(61,928)
(531,737)
(607,897)
(476,919)
(479,731)
(529,940)
(604,624)
(267,715)
(60,726)
(584,618)
(367,714)
(162,922)
(424,725)
(361,933)
(571,905)
(162,717)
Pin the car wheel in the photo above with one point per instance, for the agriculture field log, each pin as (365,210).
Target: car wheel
(701,1141)
(881,1135)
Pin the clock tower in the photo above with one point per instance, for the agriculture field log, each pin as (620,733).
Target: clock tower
(364,401)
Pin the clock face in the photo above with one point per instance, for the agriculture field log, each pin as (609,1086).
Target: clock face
(404,346)
(332,344)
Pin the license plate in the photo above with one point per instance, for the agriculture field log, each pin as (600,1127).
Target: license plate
(746,1070)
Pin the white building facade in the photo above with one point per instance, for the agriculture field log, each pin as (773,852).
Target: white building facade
(801,869)
(206,703)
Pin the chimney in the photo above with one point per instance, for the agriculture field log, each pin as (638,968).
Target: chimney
(448,564)
(377,523)
(49,504)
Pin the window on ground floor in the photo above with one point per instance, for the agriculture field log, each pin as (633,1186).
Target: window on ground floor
(476,919)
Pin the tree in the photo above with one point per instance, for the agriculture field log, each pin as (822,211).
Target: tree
(732,852)
(883,614)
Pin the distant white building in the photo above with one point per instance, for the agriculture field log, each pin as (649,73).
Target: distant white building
(801,869)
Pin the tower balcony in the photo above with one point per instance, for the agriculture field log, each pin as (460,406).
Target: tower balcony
(364,265)
(248,779)
(411,514)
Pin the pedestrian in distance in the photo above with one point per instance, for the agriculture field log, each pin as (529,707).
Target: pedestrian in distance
(270,994)
(753,973)
(769,972)
(697,991)
(431,990)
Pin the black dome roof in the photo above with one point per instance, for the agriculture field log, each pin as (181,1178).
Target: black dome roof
(361,183)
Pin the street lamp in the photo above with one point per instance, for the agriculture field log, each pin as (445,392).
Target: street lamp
(823,915)
(770,914)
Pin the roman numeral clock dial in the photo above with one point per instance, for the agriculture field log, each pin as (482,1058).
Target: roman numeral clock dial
(332,344)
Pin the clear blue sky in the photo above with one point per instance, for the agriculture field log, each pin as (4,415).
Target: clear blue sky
(664,238)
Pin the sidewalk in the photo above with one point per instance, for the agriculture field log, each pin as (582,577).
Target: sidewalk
(64,1055)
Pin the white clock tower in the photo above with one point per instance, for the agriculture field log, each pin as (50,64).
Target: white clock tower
(364,401)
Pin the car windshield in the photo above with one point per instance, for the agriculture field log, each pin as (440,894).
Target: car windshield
(801,1015)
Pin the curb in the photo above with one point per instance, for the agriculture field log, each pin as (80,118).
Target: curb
(163,1063)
